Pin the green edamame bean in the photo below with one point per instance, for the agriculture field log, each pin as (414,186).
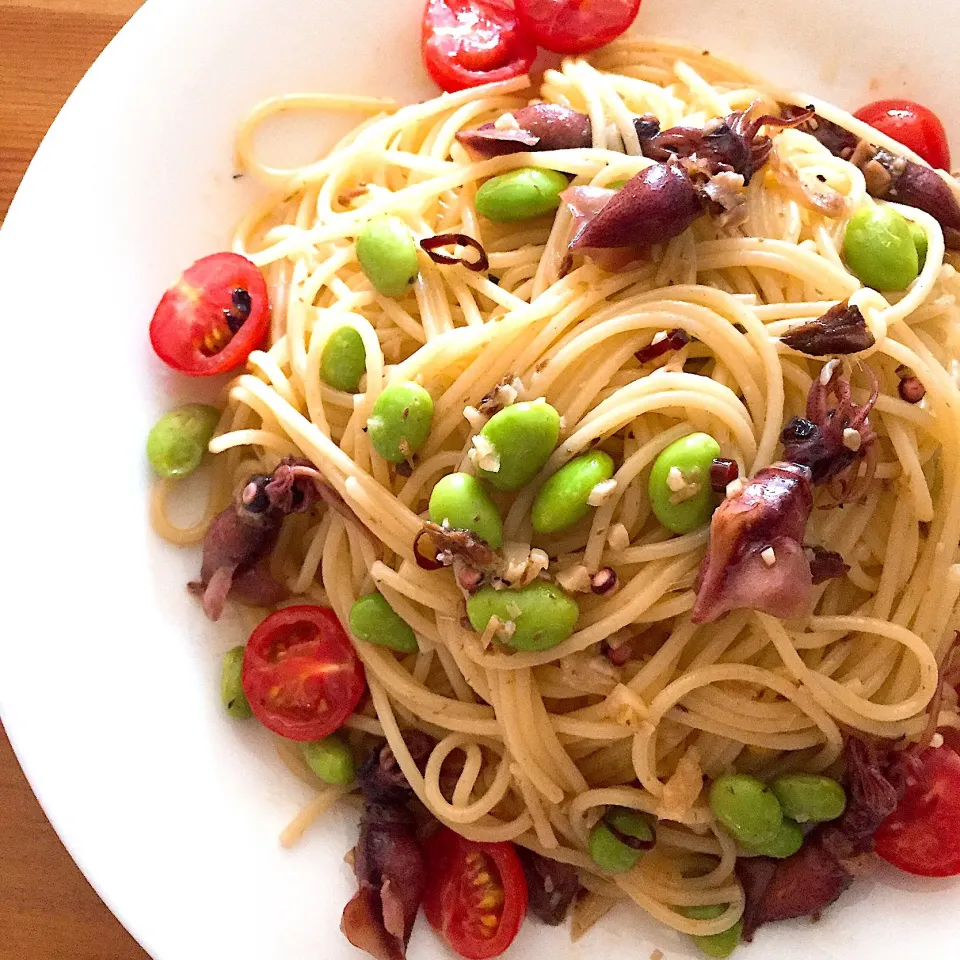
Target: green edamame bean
(562,500)
(521,194)
(809,797)
(679,488)
(400,421)
(718,945)
(542,614)
(231,686)
(178,440)
(459,501)
(344,360)
(523,437)
(747,808)
(373,619)
(387,252)
(785,843)
(880,250)
(331,760)
(920,242)
(608,851)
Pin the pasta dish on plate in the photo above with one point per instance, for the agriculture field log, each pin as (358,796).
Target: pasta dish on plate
(595,441)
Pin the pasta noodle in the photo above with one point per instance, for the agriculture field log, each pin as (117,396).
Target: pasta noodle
(547,739)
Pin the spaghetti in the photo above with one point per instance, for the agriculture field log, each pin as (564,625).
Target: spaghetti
(548,739)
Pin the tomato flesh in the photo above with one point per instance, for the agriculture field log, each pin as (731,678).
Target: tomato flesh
(466,43)
(912,124)
(301,674)
(922,836)
(476,895)
(210,320)
(576,26)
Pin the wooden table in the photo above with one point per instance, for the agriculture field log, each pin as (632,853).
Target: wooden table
(48,911)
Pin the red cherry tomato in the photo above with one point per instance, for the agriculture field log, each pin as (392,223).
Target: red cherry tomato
(911,124)
(301,674)
(576,26)
(212,317)
(469,42)
(476,895)
(922,835)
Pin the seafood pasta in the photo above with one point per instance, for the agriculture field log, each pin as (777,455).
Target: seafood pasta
(616,421)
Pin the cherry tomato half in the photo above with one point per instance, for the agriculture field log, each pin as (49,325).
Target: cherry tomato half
(212,317)
(469,42)
(922,835)
(476,895)
(576,26)
(301,674)
(911,124)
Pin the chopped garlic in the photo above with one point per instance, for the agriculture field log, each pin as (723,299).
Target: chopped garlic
(769,557)
(734,488)
(508,394)
(826,373)
(575,579)
(618,537)
(601,492)
(538,562)
(682,790)
(676,480)
(683,489)
(521,565)
(475,418)
(490,632)
(507,122)
(496,629)
(515,559)
(626,707)
(659,338)
(852,439)
(936,741)
(514,610)
(687,493)
(484,454)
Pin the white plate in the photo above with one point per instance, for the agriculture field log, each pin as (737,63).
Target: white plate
(108,674)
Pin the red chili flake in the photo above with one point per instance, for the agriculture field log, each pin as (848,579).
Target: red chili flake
(619,656)
(826,565)
(469,579)
(674,340)
(911,390)
(722,473)
(425,551)
(627,839)
(431,246)
(604,581)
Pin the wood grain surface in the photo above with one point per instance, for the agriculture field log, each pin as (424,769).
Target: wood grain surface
(48,911)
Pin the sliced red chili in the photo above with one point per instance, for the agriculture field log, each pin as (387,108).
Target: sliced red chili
(432,246)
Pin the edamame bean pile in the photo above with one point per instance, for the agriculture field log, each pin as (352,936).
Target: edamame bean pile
(523,448)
